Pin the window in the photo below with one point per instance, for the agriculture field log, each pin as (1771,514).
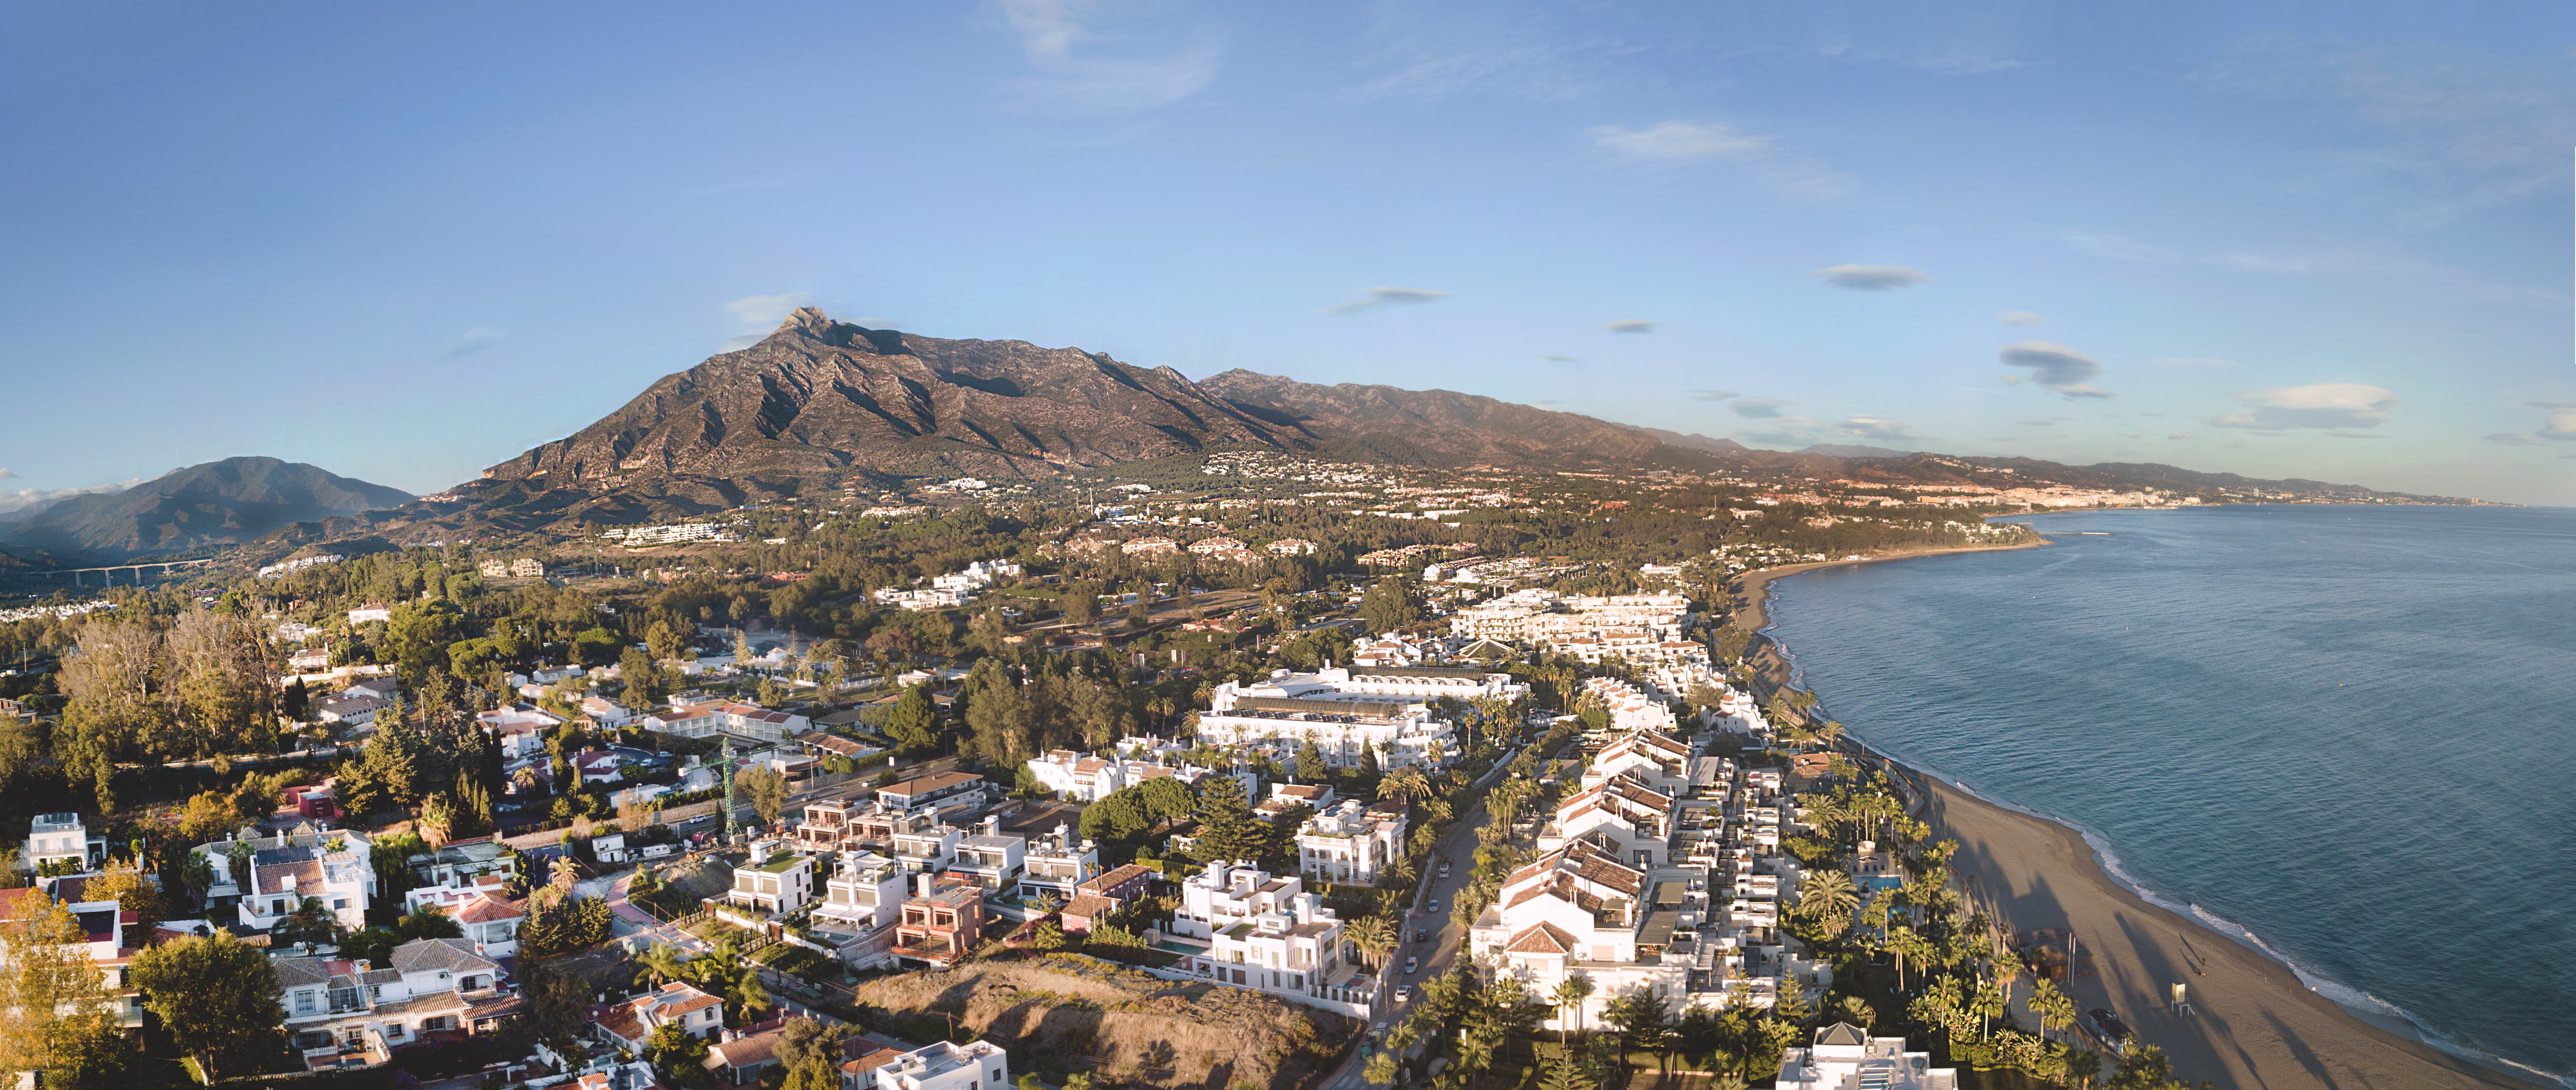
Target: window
(338,903)
(304,1001)
(997,1076)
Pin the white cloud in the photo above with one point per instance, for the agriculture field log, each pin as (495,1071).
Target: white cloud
(2055,367)
(1765,157)
(1872,277)
(30,497)
(1633,325)
(1375,298)
(2179,435)
(765,312)
(1872,427)
(2336,406)
(1067,83)
(7,473)
(2019,317)
(472,341)
(2561,422)
(1696,395)
(1758,408)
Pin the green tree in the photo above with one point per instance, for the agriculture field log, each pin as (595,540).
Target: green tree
(53,1000)
(1828,897)
(2144,1067)
(767,792)
(216,998)
(1227,829)
(1388,606)
(910,724)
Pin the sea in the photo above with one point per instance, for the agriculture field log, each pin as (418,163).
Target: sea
(2344,735)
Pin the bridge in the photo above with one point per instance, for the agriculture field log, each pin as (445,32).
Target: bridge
(107,574)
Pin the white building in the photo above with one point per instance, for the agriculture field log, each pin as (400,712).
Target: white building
(741,720)
(61,840)
(1631,708)
(1351,843)
(990,858)
(271,876)
(1058,864)
(1270,935)
(344,1014)
(520,727)
(1577,910)
(945,1065)
(866,891)
(1341,710)
(372,611)
(773,880)
(1845,1055)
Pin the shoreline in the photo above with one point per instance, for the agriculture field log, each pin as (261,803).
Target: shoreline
(2253,1022)
(1752,588)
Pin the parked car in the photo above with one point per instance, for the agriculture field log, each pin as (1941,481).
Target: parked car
(1411,964)
(2108,1026)
(1404,993)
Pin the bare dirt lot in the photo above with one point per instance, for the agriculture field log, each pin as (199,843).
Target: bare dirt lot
(1082,1014)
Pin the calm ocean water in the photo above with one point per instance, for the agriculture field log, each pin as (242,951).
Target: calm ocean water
(2350,731)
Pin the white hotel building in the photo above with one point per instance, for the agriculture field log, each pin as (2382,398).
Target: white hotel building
(1342,709)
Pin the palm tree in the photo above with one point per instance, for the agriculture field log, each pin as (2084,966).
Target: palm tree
(1374,939)
(1569,996)
(1829,897)
(1907,947)
(2056,1009)
(662,963)
(564,872)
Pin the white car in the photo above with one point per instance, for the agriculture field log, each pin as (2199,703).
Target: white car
(1404,993)
(1410,964)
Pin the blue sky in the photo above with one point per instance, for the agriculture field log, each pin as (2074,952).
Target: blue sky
(406,243)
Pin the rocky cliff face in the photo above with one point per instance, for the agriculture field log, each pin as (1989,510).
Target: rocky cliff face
(827,398)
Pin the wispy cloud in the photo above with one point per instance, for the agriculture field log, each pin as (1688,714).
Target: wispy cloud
(1872,277)
(2055,367)
(29,497)
(7,473)
(1764,157)
(766,311)
(2329,406)
(2019,317)
(1377,298)
(1560,359)
(1696,395)
(2559,425)
(2119,247)
(2470,128)
(1874,427)
(1065,81)
(1633,325)
(472,341)
(1758,408)
(2179,435)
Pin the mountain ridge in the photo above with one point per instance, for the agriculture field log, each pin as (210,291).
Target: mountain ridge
(229,501)
(823,405)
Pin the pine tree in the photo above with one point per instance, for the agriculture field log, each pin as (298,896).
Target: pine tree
(1226,826)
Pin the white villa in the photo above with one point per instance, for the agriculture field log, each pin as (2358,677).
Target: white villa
(1270,935)
(1342,709)
(1845,1055)
(1352,842)
(345,1014)
(269,877)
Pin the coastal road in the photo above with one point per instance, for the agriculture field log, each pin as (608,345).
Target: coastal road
(1441,949)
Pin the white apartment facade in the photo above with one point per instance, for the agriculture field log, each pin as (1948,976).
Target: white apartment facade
(1351,843)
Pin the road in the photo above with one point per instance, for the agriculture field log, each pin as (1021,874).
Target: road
(1447,939)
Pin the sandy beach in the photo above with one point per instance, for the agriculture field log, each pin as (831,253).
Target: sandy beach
(2252,1023)
(1752,589)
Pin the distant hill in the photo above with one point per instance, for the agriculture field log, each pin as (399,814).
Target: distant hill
(1852,450)
(218,503)
(1425,427)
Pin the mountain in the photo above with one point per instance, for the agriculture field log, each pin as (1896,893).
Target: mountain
(820,405)
(227,502)
(1424,427)
(1852,450)
(1691,440)
(820,398)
